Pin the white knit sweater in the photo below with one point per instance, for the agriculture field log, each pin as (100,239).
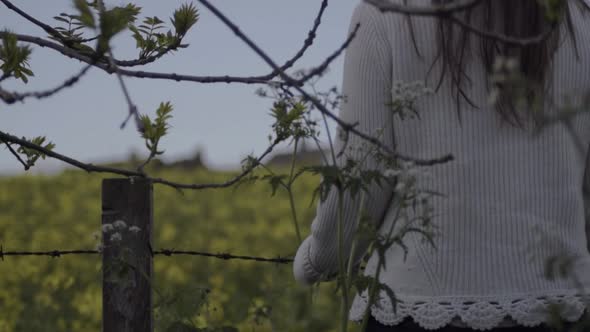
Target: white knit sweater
(512,199)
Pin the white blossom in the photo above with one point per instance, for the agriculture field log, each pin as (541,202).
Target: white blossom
(400,186)
(120,224)
(107,228)
(390,172)
(134,229)
(116,237)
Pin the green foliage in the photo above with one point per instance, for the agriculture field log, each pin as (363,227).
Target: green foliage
(113,21)
(349,177)
(86,18)
(15,58)
(33,155)
(73,29)
(195,293)
(405,96)
(184,18)
(154,131)
(149,40)
(289,121)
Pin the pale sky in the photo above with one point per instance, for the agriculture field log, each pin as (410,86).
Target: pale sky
(226,121)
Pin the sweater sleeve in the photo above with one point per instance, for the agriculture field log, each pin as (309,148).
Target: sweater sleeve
(367,89)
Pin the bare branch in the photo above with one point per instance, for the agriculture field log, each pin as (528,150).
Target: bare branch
(294,83)
(25,165)
(321,68)
(132,108)
(431,10)
(219,185)
(138,74)
(149,59)
(5,137)
(12,97)
(51,31)
(73,53)
(306,44)
(87,167)
(446,11)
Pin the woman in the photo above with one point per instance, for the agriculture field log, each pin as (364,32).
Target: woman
(513,196)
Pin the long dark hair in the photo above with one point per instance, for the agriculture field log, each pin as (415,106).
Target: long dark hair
(513,18)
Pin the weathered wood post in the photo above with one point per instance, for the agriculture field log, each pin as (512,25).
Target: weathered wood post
(127,220)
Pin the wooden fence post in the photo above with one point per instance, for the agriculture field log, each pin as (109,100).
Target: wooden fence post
(127,220)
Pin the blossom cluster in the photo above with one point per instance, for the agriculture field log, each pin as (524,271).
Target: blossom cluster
(114,231)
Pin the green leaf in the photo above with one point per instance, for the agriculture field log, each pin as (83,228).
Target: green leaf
(86,17)
(15,58)
(275,181)
(184,18)
(61,19)
(114,21)
(155,130)
(33,155)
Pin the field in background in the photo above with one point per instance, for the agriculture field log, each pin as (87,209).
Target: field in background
(64,294)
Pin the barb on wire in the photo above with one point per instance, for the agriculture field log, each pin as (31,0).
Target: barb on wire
(161,252)
(13,97)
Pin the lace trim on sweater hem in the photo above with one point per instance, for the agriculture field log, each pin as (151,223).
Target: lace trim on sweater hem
(475,313)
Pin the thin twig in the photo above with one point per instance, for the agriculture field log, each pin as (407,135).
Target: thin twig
(12,97)
(446,11)
(87,167)
(430,10)
(294,83)
(141,167)
(132,107)
(25,165)
(100,169)
(149,59)
(321,68)
(51,31)
(218,185)
(306,44)
(71,53)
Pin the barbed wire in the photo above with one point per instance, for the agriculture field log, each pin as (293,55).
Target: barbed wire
(161,252)
(224,256)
